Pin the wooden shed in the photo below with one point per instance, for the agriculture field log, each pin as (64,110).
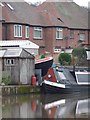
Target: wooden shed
(1,63)
(19,64)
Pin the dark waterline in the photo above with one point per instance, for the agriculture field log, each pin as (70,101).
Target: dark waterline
(46,106)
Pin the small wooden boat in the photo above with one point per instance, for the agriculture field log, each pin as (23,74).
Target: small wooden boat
(44,64)
(66,81)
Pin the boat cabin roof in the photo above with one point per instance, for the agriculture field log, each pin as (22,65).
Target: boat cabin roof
(83,77)
(65,76)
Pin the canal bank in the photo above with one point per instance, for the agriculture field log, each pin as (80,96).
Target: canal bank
(18,89)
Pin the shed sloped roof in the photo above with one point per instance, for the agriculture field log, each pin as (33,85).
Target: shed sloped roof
(13,53)
(19,43)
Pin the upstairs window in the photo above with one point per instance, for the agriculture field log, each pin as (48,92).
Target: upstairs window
(17,30)
(27,32)
(37,32)
(71,34)
(82,37)
(59,33)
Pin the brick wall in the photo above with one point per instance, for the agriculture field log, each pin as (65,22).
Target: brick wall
(48,42)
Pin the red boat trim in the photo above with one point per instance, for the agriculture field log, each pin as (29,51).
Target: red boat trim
(43,60)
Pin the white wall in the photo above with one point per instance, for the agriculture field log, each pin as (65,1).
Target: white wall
(88,55)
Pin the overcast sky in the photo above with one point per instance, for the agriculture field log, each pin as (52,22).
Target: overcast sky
(79,2)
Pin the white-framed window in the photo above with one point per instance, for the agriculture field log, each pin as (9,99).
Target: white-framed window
(71,34)
(27,32)
(17,30)
(57,49)
(38,32)
(59,33)
(81,36)
(10,61)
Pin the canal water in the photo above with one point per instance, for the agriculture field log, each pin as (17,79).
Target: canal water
(46,106)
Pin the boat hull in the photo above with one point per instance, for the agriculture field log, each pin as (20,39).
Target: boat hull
(46,89)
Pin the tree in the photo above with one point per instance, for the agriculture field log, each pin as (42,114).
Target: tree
(64,59)
(80,55)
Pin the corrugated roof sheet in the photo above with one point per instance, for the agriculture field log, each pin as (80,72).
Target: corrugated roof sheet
(2,52)
(13,52)
(20,43)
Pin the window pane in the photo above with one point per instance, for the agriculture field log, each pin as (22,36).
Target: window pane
(71,33)
(38,32)
(8,61)
(20,30)
(82,37)
(12,61)
(27,32)
(17,30)
(59,33)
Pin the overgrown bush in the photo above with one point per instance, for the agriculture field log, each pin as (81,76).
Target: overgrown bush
(64,59)
(6,78)
(80,56)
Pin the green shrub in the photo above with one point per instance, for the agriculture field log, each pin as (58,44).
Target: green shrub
(80,55)
(64,59)
(42,56)
(6,78)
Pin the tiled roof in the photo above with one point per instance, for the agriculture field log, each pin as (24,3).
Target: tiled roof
(66,13)
(22,13)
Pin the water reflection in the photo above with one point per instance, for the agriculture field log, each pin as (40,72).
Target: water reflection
(21,107)
(68,108)
(46,106)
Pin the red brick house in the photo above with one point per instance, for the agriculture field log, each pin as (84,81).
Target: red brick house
(71,19)
(54,26)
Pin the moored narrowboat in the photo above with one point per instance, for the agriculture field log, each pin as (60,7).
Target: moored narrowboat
(66,81)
